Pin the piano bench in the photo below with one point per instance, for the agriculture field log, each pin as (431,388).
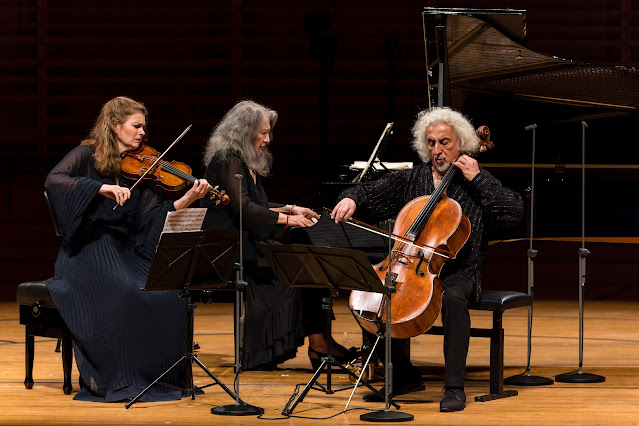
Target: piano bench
(497,302)
(42,318)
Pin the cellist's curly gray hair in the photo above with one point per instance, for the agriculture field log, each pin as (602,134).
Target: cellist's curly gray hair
(466,136)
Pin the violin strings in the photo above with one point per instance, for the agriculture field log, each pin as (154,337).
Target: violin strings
(179,173)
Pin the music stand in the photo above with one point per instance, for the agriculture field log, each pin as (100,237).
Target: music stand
(323,267)
(184,261)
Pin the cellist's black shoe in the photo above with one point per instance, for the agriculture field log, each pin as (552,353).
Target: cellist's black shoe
(454,400)
(412,387)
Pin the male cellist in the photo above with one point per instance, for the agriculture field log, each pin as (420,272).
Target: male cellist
(443,138)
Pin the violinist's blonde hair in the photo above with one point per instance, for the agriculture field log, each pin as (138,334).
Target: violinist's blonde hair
(467,139)
(235,134)
(106,158)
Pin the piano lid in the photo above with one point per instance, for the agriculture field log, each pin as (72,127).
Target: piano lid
(485,53)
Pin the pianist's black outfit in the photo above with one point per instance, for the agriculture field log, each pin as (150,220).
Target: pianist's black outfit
(274,326)
(488,205)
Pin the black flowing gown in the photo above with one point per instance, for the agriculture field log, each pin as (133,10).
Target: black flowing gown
(124,338)
(273,327)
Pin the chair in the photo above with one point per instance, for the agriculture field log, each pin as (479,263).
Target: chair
(497,302)
(42,318)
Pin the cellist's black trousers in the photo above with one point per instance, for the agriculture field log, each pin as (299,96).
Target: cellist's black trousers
(456,321)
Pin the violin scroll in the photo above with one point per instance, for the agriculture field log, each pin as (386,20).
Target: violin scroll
(219,196)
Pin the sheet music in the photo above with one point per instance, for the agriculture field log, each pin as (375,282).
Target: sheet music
(379,166)
(184,220)
(373,156)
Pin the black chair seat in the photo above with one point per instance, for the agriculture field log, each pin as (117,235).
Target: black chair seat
(34,292)
(492,300)
(496,302)
(42,318)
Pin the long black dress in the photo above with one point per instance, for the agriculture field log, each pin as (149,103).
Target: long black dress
(273,327)
(124,338)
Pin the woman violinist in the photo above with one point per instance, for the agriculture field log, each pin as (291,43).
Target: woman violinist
(123,337)
(443,138)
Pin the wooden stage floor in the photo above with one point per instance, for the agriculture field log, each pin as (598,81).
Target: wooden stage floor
(611,348)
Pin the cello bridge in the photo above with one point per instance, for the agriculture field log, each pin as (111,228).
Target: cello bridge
(401,258)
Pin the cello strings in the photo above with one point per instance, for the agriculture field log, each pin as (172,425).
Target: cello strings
(420,222)
(398,241)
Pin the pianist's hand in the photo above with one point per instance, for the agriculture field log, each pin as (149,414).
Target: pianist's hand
(344,210)
(299,220)
(306,212)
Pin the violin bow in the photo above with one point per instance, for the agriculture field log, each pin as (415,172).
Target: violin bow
(158,159)
(160,156)
(365,226)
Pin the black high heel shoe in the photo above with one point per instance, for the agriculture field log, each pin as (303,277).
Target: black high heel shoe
(348,356)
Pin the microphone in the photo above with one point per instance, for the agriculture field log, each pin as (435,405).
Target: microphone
(583,123)
(239,176)
(531,127)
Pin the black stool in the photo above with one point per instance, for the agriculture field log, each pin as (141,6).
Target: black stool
(497,302)
(42,318)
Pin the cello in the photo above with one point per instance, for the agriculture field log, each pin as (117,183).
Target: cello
(436,225)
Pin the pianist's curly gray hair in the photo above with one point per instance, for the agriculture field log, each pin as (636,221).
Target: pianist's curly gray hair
(235,134)
(466,137)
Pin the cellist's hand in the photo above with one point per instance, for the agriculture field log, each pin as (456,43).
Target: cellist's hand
(344,210)
(115,192)
(468,166)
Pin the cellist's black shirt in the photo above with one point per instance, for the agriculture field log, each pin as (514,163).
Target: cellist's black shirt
(486,203)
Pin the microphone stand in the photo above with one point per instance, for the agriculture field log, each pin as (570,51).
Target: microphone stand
(240,408)
(579,376)
(526,379)
(386,415)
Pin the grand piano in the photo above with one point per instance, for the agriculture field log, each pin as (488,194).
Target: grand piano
(478,63)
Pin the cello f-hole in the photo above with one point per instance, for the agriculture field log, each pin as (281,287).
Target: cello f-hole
(421,260)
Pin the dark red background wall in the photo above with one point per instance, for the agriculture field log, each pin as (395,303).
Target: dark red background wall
(335,74)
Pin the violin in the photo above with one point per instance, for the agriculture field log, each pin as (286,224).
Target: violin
(433,228)
(170,175)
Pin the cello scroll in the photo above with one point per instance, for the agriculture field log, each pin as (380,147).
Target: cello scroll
(484,138)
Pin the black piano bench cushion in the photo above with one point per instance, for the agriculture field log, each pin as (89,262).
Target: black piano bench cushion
(34,292)
(499,301)
(42,318)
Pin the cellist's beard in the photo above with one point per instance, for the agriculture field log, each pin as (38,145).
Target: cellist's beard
(441,167)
